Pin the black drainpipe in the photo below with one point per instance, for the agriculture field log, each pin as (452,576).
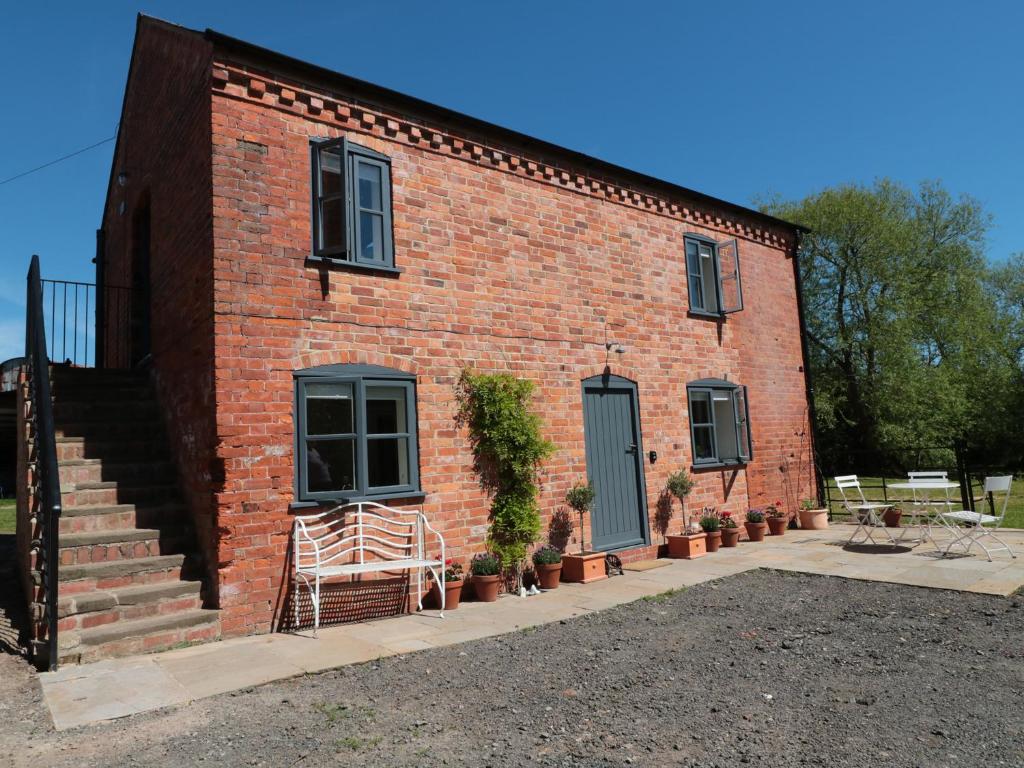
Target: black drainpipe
(812,415)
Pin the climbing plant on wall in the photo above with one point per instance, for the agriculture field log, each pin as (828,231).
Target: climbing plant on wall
(508,451)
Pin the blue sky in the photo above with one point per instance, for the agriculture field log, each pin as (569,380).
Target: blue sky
(736,100)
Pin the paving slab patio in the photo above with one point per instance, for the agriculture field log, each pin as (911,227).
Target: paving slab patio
(80,695)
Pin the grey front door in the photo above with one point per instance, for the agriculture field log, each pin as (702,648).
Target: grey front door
(611,426)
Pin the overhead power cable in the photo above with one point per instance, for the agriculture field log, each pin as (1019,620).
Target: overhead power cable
(58,160)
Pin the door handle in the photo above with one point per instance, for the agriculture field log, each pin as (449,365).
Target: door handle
(631,448)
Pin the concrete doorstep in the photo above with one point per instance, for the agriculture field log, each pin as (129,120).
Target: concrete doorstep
(90,693)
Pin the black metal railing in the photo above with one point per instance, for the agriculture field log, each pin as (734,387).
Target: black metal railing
(45,479)
(84,327)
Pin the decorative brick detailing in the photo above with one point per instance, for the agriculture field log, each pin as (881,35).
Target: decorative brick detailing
(376,121)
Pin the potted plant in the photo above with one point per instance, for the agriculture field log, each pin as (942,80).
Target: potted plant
(730,529)
(778,520)
(812,517)
(691,542)
(486,570)
(755,525)
(892,516)
(586,566)
(453,581)
(711,524)
(547,562)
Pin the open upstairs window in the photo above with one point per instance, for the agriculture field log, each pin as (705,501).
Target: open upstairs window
(719,423)
(713,276)
(352,204)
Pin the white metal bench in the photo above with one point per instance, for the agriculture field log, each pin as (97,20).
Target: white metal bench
(364,537)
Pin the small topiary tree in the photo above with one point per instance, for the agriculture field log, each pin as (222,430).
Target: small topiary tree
(508,450)
(581,498)
(680,485)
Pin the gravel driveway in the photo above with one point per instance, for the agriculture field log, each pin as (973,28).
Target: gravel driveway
(758,669)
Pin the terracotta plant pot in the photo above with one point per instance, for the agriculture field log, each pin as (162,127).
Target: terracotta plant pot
(892,517)
(687,546)
(583,568)
(730,537)
(814,519)
(713,540)
(548,575)
(778,525)
(756,530)
(486,588)
(452,594)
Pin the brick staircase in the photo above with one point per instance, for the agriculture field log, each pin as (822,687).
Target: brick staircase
(129,578)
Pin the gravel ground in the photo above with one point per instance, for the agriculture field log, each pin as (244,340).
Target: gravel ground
(762,669)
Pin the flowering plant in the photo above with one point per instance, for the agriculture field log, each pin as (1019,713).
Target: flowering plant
(547,555)
(774,510)
(485,564)
(755,515)
(452,570)
(727,520)
(710,520)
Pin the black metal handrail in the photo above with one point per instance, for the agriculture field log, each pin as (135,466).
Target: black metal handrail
(45,477)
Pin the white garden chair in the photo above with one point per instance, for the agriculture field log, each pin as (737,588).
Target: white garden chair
(864,511)
(972,525)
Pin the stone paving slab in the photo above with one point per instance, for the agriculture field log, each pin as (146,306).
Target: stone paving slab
(80,695)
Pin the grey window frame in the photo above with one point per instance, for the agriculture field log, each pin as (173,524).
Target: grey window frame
(700,308)
(741,422)
(349,251)
(360,377)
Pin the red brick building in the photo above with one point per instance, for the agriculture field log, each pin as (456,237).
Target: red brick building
(314,260)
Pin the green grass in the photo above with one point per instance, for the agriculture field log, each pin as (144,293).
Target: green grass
(7,511)
(1014,510)
(661,597)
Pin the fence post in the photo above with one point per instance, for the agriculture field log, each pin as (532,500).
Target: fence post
(99,345)
(966,494)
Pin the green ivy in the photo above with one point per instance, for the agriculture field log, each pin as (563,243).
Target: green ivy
(508,450)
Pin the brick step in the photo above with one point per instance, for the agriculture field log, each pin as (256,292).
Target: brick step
(76,579)
(104,409)
(74,448)
(72,393)
(92,609)
(124,638)
(82,376)
(108,431)
(118,544)
(110,517)
(74,472)
(110,492)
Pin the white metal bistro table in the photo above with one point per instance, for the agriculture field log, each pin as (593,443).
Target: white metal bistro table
(920,507)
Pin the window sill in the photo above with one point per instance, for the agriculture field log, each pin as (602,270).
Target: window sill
(719,465)
(354,266)
(345,500)
(706,315)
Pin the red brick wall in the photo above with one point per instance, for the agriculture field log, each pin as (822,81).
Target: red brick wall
(163,146)
(512,263)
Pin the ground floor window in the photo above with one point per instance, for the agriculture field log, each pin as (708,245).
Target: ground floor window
(719,428)
(355,433)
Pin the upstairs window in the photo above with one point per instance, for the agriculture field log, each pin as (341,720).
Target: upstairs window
(352,204)
(355,433)
(719,428)
(713,276)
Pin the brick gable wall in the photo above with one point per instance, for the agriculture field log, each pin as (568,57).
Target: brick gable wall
(163,147)
(510,262)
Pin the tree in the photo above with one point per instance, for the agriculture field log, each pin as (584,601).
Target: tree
(907,347)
